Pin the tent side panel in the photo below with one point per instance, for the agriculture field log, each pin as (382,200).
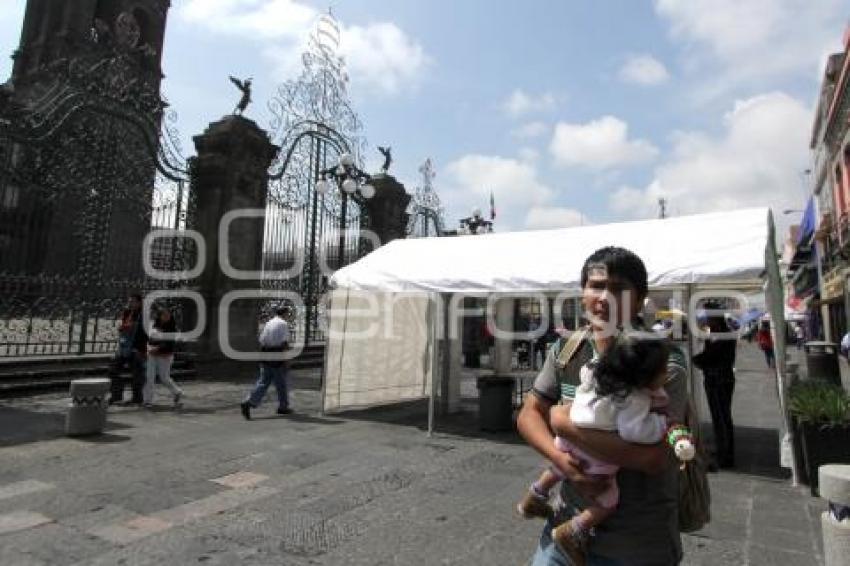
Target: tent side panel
(378,350)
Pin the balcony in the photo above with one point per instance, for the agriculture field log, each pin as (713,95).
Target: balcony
(824,228)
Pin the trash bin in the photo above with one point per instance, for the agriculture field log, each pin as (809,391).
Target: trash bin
(495,403)
(822,362)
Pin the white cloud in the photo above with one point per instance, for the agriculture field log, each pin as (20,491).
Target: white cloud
(515,185)
(643,70)
(530,130)
(600,144)
(541,218)
(746,42)
(266,19)
(520,103)
(381,57)
(755,162)
(528,155)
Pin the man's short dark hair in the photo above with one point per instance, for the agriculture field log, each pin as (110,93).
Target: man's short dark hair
(281,310)
(621,263)
(136,295)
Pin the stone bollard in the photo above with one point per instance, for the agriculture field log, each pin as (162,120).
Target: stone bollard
(834,481)
(87,413)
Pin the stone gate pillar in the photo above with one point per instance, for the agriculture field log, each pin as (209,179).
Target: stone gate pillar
(387,210)
(230,173)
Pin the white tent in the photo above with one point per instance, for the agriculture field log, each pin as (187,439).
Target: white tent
(389,309)
(707,248)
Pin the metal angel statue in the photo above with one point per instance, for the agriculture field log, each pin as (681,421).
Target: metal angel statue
(245,88)
(386,152)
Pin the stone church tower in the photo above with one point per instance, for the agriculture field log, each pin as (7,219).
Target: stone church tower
(66,29)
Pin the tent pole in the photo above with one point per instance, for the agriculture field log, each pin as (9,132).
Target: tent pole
(432,336)
(692,383)
(446,369)
(775,301)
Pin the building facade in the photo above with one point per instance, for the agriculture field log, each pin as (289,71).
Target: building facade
(830,174)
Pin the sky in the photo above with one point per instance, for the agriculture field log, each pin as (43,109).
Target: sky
(569,112)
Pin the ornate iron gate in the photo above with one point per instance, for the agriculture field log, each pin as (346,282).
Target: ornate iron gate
(88,166)
(314,124)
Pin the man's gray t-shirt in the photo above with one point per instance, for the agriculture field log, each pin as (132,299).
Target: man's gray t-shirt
(644,528)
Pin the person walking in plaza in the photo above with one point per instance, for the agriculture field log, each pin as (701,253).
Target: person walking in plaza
(765,342)
(274,338)
(717,362)
(644,529)
(132,349)
(161,357)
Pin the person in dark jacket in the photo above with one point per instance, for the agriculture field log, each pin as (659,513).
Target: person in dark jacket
(132,349)
(717,362)
(161,356)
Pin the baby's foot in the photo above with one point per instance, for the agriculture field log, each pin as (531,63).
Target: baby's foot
(534,505)
(572,541)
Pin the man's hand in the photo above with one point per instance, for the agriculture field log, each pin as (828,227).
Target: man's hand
(589,486)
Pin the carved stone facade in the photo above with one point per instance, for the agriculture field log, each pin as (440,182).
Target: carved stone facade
(63,29)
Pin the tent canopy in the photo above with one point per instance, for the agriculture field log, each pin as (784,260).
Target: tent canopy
(725,247)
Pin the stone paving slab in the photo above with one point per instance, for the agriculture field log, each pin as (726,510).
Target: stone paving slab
(203,486)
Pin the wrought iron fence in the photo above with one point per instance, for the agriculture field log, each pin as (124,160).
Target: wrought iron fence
(88,167)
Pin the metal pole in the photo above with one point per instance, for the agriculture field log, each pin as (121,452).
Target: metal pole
(312,253)
(433,314)
(694,390)
(343,212)
(446,370)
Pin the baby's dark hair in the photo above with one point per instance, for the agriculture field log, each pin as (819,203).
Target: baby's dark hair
(633,361)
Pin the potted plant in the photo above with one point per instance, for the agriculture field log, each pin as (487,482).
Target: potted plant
(822,411)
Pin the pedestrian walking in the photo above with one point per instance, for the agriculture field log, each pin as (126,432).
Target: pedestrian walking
(274,338)
(765,342)
(161,358)
(644,529)
(717,361)
(131,353)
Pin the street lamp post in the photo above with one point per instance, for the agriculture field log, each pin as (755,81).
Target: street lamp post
(476,223)
(348,179)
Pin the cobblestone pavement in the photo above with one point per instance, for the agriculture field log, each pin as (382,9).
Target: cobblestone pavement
(203,486)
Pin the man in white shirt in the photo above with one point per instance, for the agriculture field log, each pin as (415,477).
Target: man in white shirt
(274,338)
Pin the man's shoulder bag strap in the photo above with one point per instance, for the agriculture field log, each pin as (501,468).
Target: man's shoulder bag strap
(570,347)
